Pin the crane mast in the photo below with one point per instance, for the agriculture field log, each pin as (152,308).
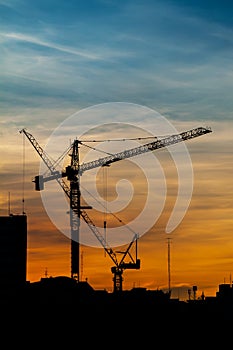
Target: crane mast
(75,209)
(73,172)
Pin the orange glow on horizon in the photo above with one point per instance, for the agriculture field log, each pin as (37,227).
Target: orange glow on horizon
(201,245)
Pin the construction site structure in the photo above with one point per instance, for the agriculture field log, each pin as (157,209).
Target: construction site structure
(72,173)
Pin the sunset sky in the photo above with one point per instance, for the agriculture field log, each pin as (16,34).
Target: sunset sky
(72,68)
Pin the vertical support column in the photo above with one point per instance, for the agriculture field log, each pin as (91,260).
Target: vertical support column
(75,211)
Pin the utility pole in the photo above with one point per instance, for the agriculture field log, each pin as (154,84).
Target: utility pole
(169,265)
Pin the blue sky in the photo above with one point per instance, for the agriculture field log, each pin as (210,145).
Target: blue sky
(175,57)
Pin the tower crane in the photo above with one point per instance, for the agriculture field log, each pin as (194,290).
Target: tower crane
(73,172)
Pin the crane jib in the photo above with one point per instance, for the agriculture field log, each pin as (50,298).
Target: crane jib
(106,161)
(159,143)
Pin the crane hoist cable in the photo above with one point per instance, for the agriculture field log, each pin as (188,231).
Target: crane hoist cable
(105,198)
(126,139)
(23,177)
(110,212)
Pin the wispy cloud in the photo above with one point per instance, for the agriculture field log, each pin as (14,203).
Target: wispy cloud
(37,41)
(11,3)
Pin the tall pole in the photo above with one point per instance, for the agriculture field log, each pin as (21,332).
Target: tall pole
(169,264)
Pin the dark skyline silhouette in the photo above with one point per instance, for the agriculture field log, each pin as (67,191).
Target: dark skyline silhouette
(65,292)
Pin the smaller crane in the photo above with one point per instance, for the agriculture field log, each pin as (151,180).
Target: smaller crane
(73,172)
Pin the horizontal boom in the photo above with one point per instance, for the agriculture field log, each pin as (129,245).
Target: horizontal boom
(159,143)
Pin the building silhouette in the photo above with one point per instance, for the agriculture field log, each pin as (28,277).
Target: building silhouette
(17,295)
(13,250)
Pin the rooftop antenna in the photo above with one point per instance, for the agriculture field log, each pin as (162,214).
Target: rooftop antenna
(46,273)
(81,275)
(9,203)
